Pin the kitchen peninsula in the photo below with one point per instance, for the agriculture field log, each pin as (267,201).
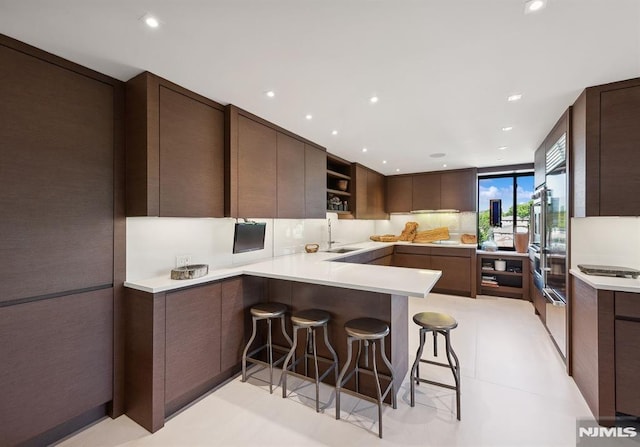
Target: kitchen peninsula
(186,337)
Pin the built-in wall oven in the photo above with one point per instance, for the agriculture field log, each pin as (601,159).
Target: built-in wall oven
(536,236)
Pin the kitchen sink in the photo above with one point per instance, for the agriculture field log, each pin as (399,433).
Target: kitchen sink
(342,250)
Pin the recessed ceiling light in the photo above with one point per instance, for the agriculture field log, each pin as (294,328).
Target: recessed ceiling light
(534,5)
(516,97)
(437,155)
(502,148)
(271,93)
(308,116)
(384,162)
(444,165)
(150,21)
(374,99)
(398,170)
(364,149)
(507,129)
(334,132)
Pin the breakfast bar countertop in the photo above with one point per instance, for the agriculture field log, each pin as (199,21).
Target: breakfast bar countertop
(315,268)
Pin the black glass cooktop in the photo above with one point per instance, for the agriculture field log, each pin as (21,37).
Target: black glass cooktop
(608,270)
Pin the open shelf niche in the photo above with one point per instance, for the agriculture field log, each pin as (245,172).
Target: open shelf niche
(339,187)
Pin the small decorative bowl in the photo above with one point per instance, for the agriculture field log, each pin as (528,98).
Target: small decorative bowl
(311,248)
(190,271)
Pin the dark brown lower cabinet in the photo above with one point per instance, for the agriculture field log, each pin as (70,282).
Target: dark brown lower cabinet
(192,342)
(456,273)
(627,366)
(539,301)
(458,266)
(181,344)
(627,308)
(605,335)
(57,363)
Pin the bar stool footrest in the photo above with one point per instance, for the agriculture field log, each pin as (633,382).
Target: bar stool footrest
(431,382)
(431,362)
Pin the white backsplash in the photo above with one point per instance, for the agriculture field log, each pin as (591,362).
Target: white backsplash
(458,223)
(605,241)
(154,242)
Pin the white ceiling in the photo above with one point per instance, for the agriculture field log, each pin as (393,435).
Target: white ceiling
(442,68)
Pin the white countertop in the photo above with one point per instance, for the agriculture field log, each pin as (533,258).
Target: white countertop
(608,282)
(315,268)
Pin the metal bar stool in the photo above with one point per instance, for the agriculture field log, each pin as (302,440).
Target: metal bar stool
(265,311)
(368,331)
(436,323)
(310,320)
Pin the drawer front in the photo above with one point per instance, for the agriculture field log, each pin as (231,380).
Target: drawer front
(412,249)
(456,252)
(627,304)
(411,261)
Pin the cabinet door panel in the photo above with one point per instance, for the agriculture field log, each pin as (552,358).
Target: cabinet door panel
(290,177)
(375,195)
(256,169)
(412,261)
(458,190)
(619,154)
(539,302)
(315,182)
(456,273)
(399,194)
(627,367)
(426,192)
(191,157)
(57,358)
(56,178)
(192,339)
(232,324)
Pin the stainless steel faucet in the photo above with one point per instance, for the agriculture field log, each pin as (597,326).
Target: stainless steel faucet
(330,240)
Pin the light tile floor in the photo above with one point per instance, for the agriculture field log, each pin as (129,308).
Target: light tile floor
(515,392)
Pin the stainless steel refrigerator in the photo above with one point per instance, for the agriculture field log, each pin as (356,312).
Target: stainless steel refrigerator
(554,247)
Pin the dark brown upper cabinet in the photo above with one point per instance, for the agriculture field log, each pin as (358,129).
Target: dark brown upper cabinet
(290,181)
(315,183)
(175,150)
(426,192)
(432,191)
(605,137)
(271,172)
(399,193)
(370,193)
(458,190)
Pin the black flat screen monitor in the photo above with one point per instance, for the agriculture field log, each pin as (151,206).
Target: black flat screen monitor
(495,212)
(248,237)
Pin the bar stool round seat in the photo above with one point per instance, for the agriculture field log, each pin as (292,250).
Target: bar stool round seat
(371,333)
(443,324)
(435,321)
(310,320)
(268,310)
(366,328)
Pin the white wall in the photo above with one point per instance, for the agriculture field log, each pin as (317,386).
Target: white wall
(605,241)
(153,243)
